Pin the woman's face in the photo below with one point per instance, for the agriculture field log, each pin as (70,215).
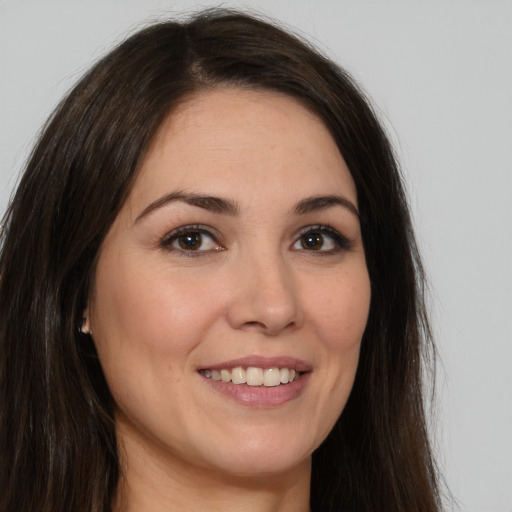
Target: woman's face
(237,255)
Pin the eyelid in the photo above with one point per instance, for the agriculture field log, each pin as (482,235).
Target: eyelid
(174,234)
(343,243)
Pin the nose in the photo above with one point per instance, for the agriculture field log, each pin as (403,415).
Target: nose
(265,297)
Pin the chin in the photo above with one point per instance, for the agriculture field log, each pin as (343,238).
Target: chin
(265,466)
(262,457)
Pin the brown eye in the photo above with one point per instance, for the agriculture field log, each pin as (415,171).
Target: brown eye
(190,241)
(322,239)
(312,241)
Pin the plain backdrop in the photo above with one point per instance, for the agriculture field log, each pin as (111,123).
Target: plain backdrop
(440,73)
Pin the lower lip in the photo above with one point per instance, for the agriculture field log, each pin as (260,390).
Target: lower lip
(260,396)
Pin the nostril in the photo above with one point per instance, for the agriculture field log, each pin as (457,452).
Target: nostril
(255,324)
(264,328)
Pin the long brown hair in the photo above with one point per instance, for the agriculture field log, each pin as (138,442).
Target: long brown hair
(57,431)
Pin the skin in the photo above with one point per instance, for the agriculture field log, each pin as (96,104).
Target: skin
(159,312)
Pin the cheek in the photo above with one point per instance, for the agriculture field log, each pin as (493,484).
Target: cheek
(338,313)
(339,316)
(341,311)
(144,330)
(152,309)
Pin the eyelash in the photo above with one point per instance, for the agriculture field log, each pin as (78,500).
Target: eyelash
(341,242)
(196,229)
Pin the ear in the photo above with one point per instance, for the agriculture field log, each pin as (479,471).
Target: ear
(85,324)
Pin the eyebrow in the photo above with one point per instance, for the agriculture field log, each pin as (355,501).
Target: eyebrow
(210,203)
(318,203)
(228,207)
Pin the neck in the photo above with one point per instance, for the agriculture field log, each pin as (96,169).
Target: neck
(154,481)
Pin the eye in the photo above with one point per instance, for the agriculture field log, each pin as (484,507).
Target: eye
(321,239)
(191,239)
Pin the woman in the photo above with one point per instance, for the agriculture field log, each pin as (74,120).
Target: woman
(210,294)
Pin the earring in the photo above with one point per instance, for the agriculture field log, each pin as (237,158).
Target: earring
(84,327)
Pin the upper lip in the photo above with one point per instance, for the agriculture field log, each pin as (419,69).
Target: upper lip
(262,362)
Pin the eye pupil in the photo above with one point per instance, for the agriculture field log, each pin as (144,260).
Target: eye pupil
(190,241)
(312,241)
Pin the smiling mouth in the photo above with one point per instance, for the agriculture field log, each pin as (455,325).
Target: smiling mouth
(253,376)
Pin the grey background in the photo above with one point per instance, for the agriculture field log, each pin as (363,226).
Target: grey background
(440,73)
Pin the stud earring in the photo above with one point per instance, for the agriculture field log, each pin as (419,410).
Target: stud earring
(84,327)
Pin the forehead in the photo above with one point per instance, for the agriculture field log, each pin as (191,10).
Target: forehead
(225,140)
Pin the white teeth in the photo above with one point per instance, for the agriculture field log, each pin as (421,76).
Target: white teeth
(271,377)
(253,376)
(238,376)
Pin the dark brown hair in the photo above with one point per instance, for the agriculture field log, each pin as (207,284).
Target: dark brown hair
(57,432)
